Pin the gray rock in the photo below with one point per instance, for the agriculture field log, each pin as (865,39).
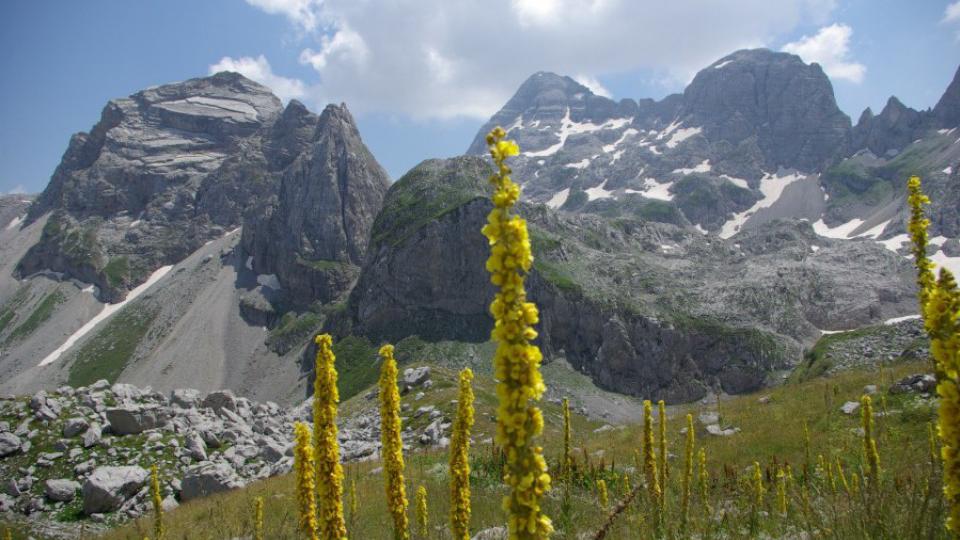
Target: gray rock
(93,435)
(416,376)
(492,533)
(9,444)
(919,383)
(221,400)
(208,478)
(196,447)
(716,430)
(133,419)
(850,407)
(62,489)
(107,488)
(126,392)
(75,426)
(7,503)
(271,452)
(185,398)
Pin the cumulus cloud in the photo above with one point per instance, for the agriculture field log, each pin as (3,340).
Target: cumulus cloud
(441,59)
(258,69)
(830,47)
(951,15)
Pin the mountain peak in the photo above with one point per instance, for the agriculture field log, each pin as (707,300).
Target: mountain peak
(947,110)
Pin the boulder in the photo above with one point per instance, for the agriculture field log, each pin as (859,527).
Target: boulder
(107,488)
(222,399)
(207,479)
(126,392)
(135,419)
(93,435)
(60,489)
(416,376)
(185,398)
(850,407)
(74,427)
(9,444)
(196,447)
(493,533)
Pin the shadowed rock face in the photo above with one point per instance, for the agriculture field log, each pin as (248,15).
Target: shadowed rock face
(894,128)
(947,110)
(313,236)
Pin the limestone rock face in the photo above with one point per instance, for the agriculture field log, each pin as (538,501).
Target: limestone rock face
(894,128)
(947,110)
(136,193)
(313,237)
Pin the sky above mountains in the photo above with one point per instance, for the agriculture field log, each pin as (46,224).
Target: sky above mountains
(421,77)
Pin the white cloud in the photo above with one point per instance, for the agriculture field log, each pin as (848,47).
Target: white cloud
(593,84)
(303,13)
(830,47)
(258,69)
(439,59)
(951,15)
(18,189)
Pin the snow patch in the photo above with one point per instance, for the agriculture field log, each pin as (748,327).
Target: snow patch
(133,224)
(682,135)
(569,127)
(894,244)
(15,222)
(739,182)
(599,192)
(948,170)
(629,132)
(249,263)
(559,198)
(269,280)
(874,232)
(895,320)
(652,189)
(108,309)
(702,167)
(580,165)
(722,64)
(700,229)
(771,187)
(841,232)
(943,261)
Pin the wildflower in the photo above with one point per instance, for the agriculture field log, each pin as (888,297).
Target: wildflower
(688,469)
(602,493)
(758,489)
(917,228)
(304,468)
(843,477)
(422,517)
(703,478)
(649,457)
(808,464)
(460,460)
(353,499)
(517,361)
(664,467)
(869,443)
(782,491)
(157,502)
(565,465)
(329,473)
(940,309)
(391,444)
(258,518)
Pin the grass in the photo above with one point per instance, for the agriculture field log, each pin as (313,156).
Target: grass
(105,355)
(117,271)
(293,330)
(9,310)
(771,433)
(40,314)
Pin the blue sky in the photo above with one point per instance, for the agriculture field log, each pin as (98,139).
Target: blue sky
(421,77)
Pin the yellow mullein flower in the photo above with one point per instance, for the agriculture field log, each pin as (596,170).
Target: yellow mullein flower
(258,518)
(602,493)
(649,457)
(782,491)
(808,464)
(918,234)
(758,489)
(304,469)
(703,478)
(353,499)
(157,502)
(687,470)
(843,477)
(517,361)
(392,444)
(460,459)
(329,474)
(870,452)
(664,467)
(422,517)
(565,464)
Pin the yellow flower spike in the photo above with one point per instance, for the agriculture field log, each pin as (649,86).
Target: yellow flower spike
(329,471)
(304,469)
(565,464)
(258,518)
(157,502)
(917,227)
(843,477)
(782,491)
(460,459)
(758,489)
(516,361)
(422,517)
(704,479)
(602,495)
(353,500)
(687,470)
(870,452)
(664,466)
(650,461)
(391,444)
